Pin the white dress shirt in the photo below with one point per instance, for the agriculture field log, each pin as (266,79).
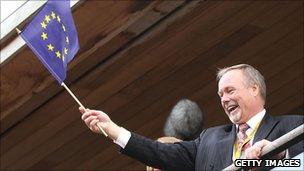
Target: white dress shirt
(123,137)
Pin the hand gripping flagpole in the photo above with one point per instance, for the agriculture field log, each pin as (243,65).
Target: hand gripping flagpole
(80,104)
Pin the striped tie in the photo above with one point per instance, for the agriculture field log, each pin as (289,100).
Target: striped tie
(242,137)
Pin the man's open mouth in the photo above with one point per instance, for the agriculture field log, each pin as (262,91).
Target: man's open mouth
(232,108)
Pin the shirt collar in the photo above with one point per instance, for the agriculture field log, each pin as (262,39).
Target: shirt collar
(252,122)
(256,119)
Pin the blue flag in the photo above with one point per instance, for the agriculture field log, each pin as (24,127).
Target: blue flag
(52,36)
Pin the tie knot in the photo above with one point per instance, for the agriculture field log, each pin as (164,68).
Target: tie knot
(243,127)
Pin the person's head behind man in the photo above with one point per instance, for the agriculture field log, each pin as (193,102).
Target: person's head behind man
(185,121)
(242,91)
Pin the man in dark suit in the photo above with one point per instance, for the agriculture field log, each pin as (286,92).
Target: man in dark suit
(242,92)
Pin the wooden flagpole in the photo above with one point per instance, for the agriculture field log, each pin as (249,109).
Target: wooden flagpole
(80,104)
(18,31)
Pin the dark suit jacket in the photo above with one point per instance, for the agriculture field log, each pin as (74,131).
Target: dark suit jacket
(212,150)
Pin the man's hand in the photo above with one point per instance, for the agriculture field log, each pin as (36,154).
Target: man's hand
(92,117)
(255,151)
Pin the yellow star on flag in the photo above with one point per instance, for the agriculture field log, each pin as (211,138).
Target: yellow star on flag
(43,25)
(63,28)
(53,15)
(58,54)
(58,19)
(47,18)
(67,39)
(65,51)
(50,47)
(44,36)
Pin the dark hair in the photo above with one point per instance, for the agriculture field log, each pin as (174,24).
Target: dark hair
(185,121)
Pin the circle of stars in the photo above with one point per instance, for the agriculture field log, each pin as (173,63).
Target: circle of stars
(44,36)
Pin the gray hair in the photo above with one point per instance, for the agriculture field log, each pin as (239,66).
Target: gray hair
(252,75)
(185,121)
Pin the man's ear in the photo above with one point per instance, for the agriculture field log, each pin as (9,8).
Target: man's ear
(255,89)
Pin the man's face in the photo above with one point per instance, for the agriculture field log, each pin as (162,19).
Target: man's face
(237,99)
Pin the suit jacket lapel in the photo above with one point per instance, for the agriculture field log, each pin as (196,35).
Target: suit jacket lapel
(266,126)
(225,145)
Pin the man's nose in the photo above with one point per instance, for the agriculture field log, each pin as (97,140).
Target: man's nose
(224,99)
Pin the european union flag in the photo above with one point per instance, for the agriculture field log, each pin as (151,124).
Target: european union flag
(52,36)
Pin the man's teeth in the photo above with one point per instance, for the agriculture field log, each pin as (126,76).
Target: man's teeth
(232,108)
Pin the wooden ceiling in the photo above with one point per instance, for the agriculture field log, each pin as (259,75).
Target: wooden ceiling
(136,60)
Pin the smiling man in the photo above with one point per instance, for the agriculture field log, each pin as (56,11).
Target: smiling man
(242,92)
